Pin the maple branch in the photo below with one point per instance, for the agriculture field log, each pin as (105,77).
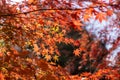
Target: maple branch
(115,5)
(34,11)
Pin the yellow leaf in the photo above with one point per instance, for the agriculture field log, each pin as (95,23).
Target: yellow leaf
(55,58)
(48,57)
(56,29)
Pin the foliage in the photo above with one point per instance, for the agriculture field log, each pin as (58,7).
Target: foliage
(18,67)
(35,29)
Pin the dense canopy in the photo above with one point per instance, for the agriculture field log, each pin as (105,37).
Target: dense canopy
(41,39)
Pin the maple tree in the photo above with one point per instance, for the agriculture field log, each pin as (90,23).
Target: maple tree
(36,29)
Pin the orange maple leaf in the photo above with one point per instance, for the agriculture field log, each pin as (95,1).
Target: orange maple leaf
(101,16)
(1,76)
(109,12)
(1,54)
(36,48)
(89,11)
(76,52)
(77,23)
(32,1)
(86,17)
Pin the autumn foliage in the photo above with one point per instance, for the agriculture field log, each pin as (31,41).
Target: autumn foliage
(47,39)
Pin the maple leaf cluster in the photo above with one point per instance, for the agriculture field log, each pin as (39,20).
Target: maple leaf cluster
(33,30)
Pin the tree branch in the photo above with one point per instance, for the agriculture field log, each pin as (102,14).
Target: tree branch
(72,9)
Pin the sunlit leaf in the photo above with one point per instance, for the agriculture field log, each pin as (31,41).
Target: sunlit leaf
(101,16)
(48,57)
(56,58)
(86,17)
(76,52)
